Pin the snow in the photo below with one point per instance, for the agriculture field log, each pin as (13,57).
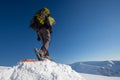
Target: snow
(98,70)
(40,70)
(5,71)
(106,68)
(49,70)
(98,77)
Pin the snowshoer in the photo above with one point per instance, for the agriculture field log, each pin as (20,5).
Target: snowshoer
(42,23)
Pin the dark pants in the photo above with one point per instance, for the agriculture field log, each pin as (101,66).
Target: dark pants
(44,35)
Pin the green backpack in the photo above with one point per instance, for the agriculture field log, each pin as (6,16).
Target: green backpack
(39,18)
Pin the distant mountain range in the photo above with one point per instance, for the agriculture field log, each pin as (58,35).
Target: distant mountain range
(106,68)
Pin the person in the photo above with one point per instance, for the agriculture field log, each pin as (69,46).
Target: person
(42,23)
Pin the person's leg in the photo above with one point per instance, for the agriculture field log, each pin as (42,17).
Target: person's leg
(44,35)
(46,41)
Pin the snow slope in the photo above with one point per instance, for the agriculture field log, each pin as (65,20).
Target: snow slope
(106,68)
(98,77)
(40,70)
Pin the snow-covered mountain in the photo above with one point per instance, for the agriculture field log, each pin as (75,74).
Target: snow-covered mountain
(40,70)
(106,68)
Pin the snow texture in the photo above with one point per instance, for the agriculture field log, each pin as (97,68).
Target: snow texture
(98,77)
(40,70)
(106,68)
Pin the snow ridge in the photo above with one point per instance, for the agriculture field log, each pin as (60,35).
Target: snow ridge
(106,68)
(40,70)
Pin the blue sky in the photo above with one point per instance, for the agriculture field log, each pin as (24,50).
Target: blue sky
(85,30)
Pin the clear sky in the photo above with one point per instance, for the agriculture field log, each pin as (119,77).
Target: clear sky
(85,30)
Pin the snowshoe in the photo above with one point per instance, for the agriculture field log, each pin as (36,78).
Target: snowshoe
(39,54)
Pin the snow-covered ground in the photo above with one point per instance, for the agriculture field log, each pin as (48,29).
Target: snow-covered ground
(98,77)
(48,70)
(40,70)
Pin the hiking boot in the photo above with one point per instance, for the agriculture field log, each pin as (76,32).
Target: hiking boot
(47,57)
(39,53)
